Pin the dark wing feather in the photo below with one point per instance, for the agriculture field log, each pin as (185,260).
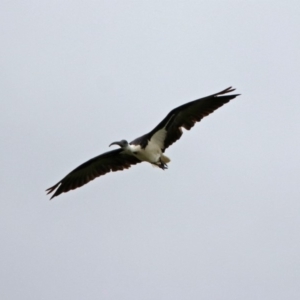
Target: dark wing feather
(188,114)
(115,160)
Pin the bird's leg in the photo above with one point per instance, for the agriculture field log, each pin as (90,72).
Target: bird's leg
(162,165)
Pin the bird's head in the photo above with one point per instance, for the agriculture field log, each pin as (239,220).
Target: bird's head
(122,144)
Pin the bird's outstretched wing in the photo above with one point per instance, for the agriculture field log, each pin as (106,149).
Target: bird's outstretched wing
(115,160)
(187,115)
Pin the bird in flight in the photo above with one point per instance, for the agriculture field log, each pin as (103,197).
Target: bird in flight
(149,147)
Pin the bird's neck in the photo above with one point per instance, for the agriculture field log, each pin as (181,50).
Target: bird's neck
(132,148)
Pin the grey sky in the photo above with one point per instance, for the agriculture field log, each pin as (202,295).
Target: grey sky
(222,222)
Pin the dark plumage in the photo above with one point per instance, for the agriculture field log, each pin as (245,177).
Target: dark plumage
(187,115)
(95,167)
(149,147)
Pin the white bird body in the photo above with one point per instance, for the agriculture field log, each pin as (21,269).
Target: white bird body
(152,153)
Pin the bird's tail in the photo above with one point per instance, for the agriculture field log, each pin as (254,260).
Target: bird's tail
(163,162)
(165,159)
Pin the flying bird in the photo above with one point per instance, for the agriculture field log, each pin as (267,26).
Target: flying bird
(150,147)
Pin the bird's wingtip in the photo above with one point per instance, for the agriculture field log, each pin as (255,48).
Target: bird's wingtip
(51,189)
(228,90)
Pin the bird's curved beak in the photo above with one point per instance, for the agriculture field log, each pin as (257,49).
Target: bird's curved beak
(116,143)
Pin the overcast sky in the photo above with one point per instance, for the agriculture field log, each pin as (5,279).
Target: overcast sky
(222,222)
